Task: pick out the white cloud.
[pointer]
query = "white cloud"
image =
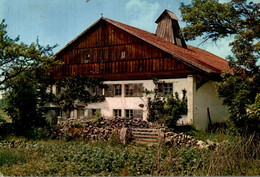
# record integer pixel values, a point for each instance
(143, 13)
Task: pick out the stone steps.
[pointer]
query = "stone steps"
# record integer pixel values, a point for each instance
(147, 136)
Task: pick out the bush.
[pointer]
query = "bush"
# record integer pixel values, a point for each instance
(174, 108)
(233, 156)
(166, 110)
(39, 133)
(10, 157)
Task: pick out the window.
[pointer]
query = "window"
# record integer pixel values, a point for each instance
(129, 90)
(134, 113)
(87, 58)
(129, 113)
(165, 89)
(122, 54)
(58, 89)
(95, 90)
(117, 112)
(134, 90)
(117, 90)
(80, 113)
(93, 112)
(96, 111)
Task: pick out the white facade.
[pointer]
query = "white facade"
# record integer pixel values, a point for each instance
(202, 102)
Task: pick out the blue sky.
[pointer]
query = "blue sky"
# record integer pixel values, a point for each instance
(60, 21)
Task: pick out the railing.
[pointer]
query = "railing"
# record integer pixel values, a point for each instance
(116, 67)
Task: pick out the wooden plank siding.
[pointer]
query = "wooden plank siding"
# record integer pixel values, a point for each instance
(104, 44)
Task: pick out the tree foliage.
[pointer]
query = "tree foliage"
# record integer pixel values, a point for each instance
(74, 89)
(238, 18)
(25, 99)
(19, 57)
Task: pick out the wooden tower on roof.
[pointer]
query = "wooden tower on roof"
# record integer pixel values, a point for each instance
(168, 28)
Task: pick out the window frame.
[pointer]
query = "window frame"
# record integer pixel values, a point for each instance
(122, 56)
(165, 88)
(129, 113)
(129, 92)
(117, 91)
(117, 112)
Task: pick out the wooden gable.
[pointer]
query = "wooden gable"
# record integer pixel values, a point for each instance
(110, 53)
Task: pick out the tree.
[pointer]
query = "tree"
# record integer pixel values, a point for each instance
(22, 57)
(213, 20)
(25, 99)
(74, 89)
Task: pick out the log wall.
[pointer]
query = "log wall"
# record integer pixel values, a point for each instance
(108, 52)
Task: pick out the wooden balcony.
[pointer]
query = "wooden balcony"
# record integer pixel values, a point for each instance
(123, 69)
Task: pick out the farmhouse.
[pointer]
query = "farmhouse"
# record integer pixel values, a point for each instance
(127, 59)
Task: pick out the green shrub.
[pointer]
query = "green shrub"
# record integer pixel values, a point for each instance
(9, 157)
(166, 110)
(114, 138)
(38, 133)
(233, 156)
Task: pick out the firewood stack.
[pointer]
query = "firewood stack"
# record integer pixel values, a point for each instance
(97, 130)
(180, 139)
(123, 122)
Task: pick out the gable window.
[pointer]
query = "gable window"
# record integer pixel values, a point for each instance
(87, 58)
(129, 90)
(122, 54)
(165, 89)
(117, 112)
(117, 90)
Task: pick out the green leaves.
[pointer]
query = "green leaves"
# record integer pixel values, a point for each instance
(208, 17)
(25, 100)
(75, 89)
(167, 110)
(214, 20)
(21, 57)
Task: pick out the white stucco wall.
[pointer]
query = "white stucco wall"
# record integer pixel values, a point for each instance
(123, 103)
(206, 97)
(198, 101)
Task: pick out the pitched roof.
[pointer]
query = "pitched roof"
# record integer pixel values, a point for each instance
(169, 13)
(192, 56)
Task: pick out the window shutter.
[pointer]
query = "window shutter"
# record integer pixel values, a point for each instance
(160, 90)
(140, 90)
(135, 90)
(100, 91)
(109, 91)
(126, 91)
(89, 112)
(138, 113)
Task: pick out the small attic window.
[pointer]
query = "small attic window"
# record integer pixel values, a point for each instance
(122, 54)
(87, 58)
